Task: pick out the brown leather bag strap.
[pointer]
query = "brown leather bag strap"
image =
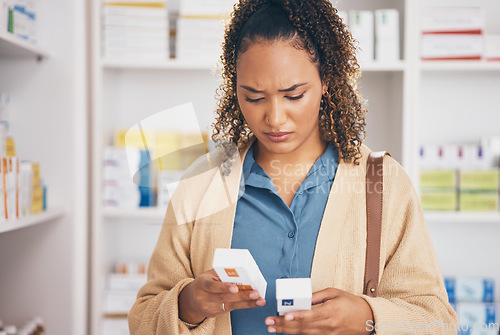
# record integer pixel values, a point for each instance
(374, 197)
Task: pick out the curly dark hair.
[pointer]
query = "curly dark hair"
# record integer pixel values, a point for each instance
(324, 36)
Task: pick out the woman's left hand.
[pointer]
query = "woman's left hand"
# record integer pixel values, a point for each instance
(340, 313)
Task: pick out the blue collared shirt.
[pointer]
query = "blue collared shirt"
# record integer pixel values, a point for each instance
(281, 239)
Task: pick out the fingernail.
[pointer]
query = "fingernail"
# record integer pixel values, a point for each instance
(260, 302)
(254, 295)
(270, 322)
(233, 289)
(272, 330)
(289, 317)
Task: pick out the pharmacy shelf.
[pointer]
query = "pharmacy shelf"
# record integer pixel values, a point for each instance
(466, 217)
(174, 64)
(32, 220)
(147, 214)
(383, 67)
(171, 64)
(13, 46)
(459, 66)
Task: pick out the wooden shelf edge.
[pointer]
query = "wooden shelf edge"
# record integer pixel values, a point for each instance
(12, 45)
(115, 315)
(467, 217)
(32, 220)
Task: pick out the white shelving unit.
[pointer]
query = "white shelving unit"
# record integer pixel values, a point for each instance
(403, 98)
(45, 217)
(456, 103)
(43, 258)
(12, 46)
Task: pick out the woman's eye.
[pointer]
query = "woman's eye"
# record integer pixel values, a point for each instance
(298, 97)
(253, 100)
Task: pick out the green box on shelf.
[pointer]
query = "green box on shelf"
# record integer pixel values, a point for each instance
(486, 180)
(432, 179)
(439, 200)
(478, 201)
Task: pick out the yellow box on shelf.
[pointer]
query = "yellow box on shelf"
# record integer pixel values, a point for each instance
(37, 203)
(478, 201)
(486, 180)
(10, 147)
(167, 151)
(439, 200)
(438, 179)
(143, 140)
(153, 4)
(37, 180)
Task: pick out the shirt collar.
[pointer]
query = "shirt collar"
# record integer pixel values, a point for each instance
(325, 165)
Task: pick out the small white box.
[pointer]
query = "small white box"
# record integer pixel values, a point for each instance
(119, 302)
(492, 47)
(361, 26)
(293, 294)
(464, 20)
(387, 35)
(126, 282)
(238, 267)
(474, 314)
(452, 47)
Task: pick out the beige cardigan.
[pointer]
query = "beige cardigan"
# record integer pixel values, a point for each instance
(411, 297)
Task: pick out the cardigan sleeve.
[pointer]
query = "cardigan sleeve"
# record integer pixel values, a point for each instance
(411, 295)
(156, 308)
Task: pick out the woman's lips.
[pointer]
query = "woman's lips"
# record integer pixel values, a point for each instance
(279, 136)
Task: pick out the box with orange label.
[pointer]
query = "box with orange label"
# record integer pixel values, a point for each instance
(238, 267)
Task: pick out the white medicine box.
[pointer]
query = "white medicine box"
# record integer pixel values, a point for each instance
(293, 294)
(237, 266)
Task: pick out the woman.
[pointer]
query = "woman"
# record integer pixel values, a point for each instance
(293, 194)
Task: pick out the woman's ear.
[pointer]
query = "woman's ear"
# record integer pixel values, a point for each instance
(324, 88)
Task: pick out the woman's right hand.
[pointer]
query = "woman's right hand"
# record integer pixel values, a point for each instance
(207, 296)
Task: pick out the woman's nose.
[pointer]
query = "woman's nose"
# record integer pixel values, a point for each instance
(276, 114)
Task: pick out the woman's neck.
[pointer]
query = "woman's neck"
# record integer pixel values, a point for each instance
(302, 156)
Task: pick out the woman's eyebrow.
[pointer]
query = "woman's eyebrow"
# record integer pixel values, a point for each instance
(251, 89)
(289, 89)
(292, 88)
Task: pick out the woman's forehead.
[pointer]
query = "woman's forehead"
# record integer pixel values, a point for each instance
(277, 62)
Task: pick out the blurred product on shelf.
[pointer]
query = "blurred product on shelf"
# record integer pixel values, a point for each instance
(361, 26)
(478, 318)
(22, 191)
(478, 190)
(470, 289)
(144, 163)
(473, 297)
(438, 190)
(387, 35)
(122, 287)
(34, 326)
(492, 47)
(135, 30)
(124, 187)
(377, 33)
(200, 29)
(166, 184)
(18, 17)
(453, 33)
(461, 177)
(115, 326)
(4, 122)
